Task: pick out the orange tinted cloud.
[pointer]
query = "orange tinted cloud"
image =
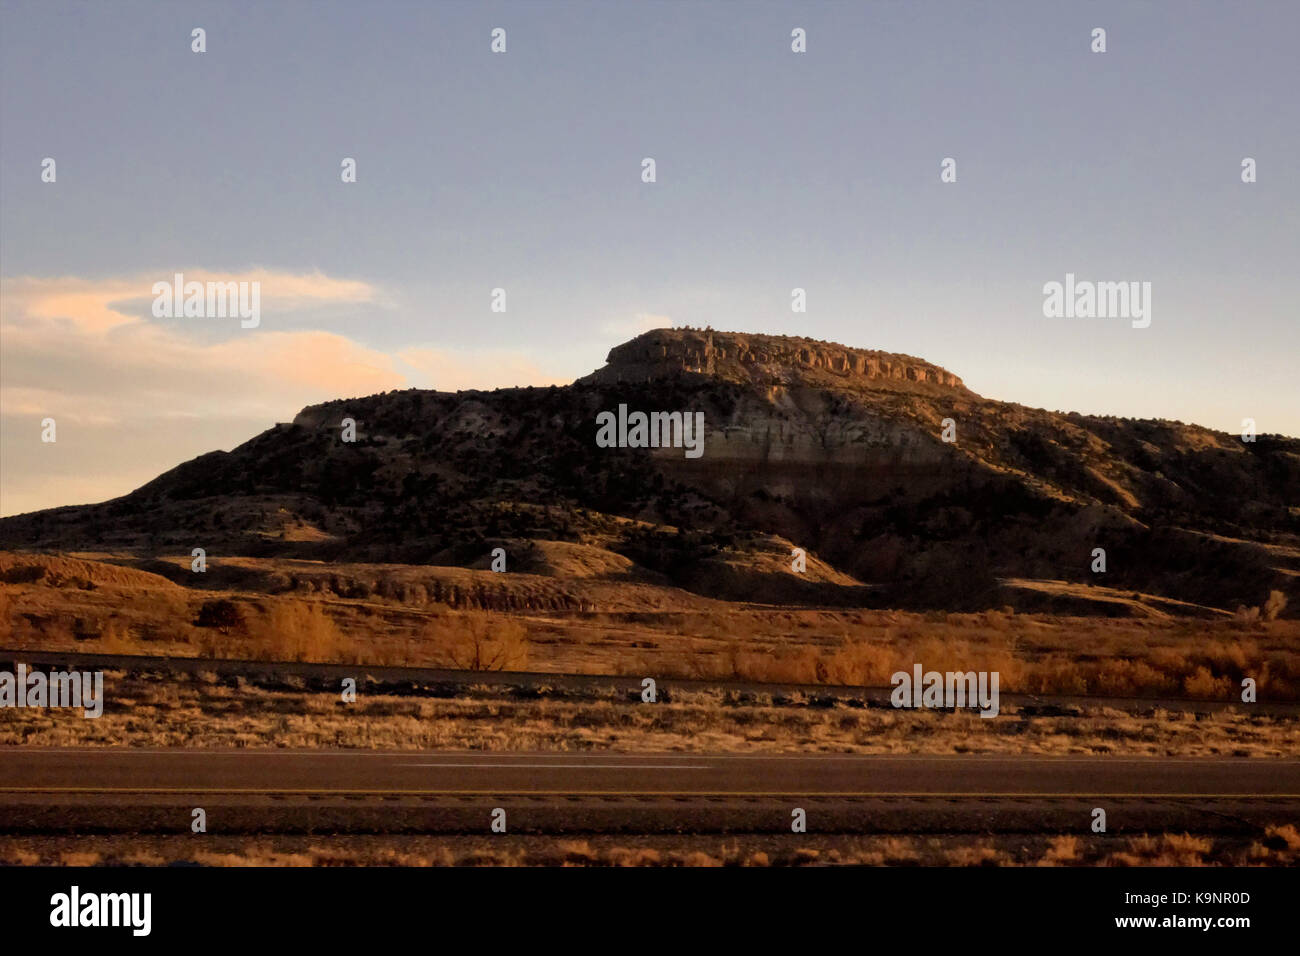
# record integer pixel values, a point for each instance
(100, 305)
(134, 396)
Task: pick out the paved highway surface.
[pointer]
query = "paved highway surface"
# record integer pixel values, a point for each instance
(323, 791)
(334, 772)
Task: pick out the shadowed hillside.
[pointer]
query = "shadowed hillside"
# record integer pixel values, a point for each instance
(835, 450)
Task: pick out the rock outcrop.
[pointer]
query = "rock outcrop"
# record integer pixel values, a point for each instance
(763, 360)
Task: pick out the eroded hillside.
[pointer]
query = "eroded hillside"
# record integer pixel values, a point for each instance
(807, 444)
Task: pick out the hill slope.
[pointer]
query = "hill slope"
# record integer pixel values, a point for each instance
(810, 444)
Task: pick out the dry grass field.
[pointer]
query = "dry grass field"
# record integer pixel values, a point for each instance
(164, 710)
(1276, 846)
(477, 620)
(264, 610)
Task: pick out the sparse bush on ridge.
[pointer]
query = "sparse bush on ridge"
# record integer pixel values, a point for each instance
(222, 613)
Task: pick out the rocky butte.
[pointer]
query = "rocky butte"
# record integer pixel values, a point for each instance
(839, 450)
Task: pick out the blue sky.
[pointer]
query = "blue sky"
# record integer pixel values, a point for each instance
(775, 170)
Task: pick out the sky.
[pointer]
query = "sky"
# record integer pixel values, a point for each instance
(522, 171)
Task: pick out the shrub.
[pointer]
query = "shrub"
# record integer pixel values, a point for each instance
(478, 641)
(222, 614)
(302, 631)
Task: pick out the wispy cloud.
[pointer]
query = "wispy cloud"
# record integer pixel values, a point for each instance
(101, 305)
(133, 395)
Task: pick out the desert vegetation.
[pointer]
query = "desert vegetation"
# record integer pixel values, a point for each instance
(1276, 845)
(386, 615)
(155, 709)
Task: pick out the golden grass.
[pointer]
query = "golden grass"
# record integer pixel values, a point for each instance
(755, 850)
(284, 630)
(1033, 653)
(202, 711)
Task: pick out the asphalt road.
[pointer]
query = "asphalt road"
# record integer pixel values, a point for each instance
(49, 791)
(124, 772)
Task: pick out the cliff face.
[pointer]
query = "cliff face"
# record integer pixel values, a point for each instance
(765, 360)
